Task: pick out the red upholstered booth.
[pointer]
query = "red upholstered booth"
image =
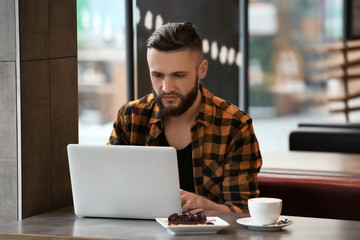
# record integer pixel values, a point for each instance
(314, 196)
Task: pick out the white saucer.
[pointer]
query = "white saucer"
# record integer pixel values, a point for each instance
(217, 225)
(273, 227)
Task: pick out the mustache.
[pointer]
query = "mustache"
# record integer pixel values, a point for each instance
(169, 94)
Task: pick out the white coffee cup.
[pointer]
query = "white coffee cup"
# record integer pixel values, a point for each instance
(265, 211)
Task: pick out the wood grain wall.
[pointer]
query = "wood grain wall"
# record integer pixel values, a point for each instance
(49, 101)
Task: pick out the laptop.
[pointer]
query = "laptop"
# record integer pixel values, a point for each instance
(138, 182)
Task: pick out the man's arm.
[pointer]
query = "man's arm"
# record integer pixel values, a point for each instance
(118, 134)
(241, 166)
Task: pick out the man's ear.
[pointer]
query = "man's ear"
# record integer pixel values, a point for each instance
(203, 69)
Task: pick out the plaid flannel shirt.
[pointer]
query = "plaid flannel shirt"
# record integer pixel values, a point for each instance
(225, 151)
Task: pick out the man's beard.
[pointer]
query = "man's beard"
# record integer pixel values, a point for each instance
(185, 102)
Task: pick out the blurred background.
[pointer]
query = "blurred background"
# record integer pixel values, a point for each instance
(287, 82)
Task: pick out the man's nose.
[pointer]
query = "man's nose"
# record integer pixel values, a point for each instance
(168, 85)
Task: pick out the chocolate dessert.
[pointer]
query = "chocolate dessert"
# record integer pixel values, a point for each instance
(186, 218)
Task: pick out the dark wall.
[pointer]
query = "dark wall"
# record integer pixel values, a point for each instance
(215, 20)
(49, 102)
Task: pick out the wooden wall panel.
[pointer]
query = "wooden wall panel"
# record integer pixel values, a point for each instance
(34, 29)
(35, 137)
(49, 112)
(64, 125)
(63, 34)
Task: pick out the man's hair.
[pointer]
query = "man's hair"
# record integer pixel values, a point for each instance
(175, 36)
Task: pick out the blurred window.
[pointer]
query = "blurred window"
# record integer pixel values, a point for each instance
(285, 87)
(101, 67)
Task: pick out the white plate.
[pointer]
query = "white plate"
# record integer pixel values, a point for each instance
(217, 225)
(249, 223)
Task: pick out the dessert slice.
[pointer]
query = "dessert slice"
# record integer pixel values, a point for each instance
(186, 219)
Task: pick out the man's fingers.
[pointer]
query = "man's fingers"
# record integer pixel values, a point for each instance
(188, 200)
(186, 205)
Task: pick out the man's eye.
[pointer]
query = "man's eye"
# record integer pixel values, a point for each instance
(179, 75)
(155, 75)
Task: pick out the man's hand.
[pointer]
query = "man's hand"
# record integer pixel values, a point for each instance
(191, 201)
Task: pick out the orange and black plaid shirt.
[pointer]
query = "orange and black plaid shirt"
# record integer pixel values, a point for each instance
(225, 151)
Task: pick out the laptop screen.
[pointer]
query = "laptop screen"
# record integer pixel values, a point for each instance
(124, 181)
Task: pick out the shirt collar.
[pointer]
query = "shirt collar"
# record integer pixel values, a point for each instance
(156, 115)
(206, 112)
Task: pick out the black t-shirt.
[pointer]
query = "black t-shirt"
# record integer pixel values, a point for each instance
(185, 165)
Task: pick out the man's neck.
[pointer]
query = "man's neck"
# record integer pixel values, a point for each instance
(178, 129)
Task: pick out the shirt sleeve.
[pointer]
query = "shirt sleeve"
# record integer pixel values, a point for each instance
(118, 134)
(241, 167)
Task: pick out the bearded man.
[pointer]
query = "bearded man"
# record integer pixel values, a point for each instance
(218, 153)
